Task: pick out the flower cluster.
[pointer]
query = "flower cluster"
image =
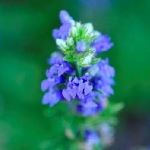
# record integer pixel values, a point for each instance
(77, 73)
(91, 137)
(104, 136)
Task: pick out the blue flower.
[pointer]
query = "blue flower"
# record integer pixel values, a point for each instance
(105, 80)
(81, 46)
(58, 69)
(91, 137)
(62, 32)
(56, 58)
(69, 78)
(106, 70)
(102, 43)
(48, 83)
(55, 76)
(89, 108)
(65, 17)
(51, 97)
(76, 88)
(102, 79)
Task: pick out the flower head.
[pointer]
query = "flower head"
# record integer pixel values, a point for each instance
(77, 73)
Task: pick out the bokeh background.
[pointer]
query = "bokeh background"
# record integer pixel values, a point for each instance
(25, 45)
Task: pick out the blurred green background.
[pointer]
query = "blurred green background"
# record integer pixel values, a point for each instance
(25, 45)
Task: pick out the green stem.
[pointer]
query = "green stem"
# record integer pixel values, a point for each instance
(79, 70)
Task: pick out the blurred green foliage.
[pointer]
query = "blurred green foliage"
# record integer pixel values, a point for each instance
(26, 44)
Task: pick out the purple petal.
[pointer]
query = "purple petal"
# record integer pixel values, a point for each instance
(44, 85)
(88, 88)
(65, 17)
(73, 91)
(81, 46)
(88, 108)
(107, 90)
(62, 69)
(51, 98)
(56, 34)
(66, 94)
(62, 32)
(91, 137)
(102, 43)
(55, 58)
